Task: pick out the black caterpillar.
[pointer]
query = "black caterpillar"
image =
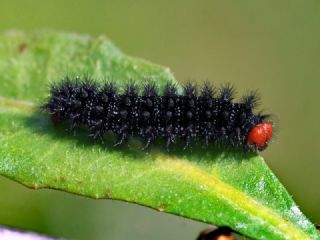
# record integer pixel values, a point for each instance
(207, 116)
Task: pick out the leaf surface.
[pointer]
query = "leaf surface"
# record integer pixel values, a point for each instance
(220, 186)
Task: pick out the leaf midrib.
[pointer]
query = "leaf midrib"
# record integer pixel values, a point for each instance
(18, 105)
(236, 197)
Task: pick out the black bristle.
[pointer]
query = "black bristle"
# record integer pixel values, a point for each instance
(150, 90)
(251, 100)
(150, 114)
(227, 93)
(190, 90)
(207, 91)
(170, 90)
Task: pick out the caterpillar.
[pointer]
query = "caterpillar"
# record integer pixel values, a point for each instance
(208, 115)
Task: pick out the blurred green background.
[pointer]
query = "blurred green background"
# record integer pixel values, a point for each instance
(273, 46)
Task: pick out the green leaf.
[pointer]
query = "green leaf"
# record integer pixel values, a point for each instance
(222, 187)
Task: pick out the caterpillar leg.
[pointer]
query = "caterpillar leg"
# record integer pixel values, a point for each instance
(148, 144)
(189, 133)
(96, 129)
(187, 143)
(206, 140)
(169, 136)
(123, 135)
(149, 136)
(169, 141)
(123, 138)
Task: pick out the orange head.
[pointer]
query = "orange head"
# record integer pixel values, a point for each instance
(260, 136)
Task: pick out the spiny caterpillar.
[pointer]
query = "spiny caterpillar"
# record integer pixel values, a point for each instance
(206, 116)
